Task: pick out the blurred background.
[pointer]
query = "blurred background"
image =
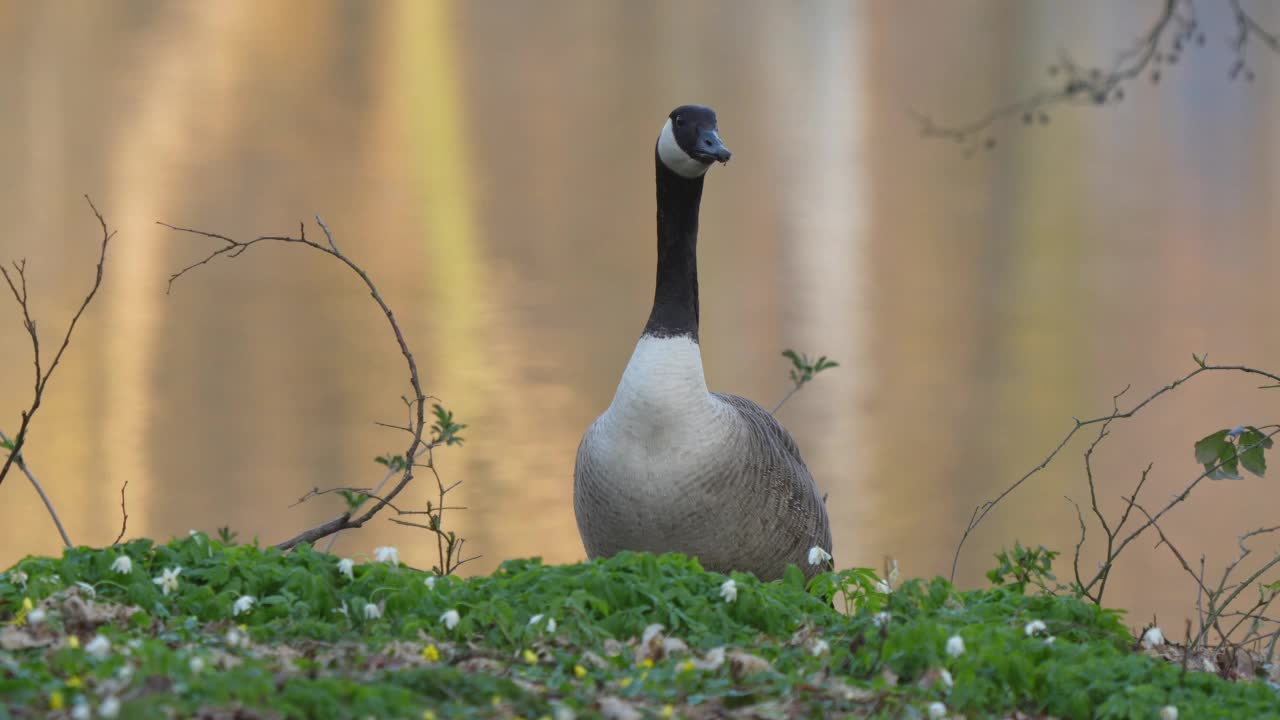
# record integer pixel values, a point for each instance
(491, 165)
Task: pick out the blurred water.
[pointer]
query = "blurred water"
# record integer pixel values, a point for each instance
(490, 164)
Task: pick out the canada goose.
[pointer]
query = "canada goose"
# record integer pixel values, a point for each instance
(671, 466)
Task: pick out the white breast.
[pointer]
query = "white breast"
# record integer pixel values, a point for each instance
(663, 424)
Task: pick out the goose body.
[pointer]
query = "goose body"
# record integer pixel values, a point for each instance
(670, 465)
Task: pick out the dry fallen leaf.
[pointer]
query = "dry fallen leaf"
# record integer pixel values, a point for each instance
(613, 708)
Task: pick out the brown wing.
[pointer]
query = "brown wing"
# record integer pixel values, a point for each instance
(791, 498)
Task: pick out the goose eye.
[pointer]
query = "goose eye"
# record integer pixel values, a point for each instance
(679, 121)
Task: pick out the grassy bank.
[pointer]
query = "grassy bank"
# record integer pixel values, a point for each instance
(200, 627)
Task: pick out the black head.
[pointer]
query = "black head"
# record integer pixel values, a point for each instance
(689, 142)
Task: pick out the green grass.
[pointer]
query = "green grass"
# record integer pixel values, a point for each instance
(787, 651)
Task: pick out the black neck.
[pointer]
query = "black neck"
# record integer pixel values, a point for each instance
(675, 299)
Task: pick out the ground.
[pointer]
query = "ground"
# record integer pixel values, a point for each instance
(241, 631)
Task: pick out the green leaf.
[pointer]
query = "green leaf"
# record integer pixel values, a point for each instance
(793, 578)
(1228, 464)
(1209, 449)
(1252, 444)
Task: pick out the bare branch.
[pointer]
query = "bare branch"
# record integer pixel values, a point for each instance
(1174, 31)
(1177, 499)
(124, 512)
(48, 504)
(981, 511)
(42, 380)
(376, 489)
(1075, 84)
(232, 248)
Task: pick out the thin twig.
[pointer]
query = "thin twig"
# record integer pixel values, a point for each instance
(124, 512)
(1174, 31)
(416, 404)
(980, 512)
(1177, 499)
(328, 546)
(42, 379)
(785, 398)
(1077, 85)
(22, 465)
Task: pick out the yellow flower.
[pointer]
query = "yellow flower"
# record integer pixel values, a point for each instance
(74, 681)
(686, 666)
(55, 700)
(530, 657)
(624, 682)
(428, 715)
(73, 641)
(579, 671)
(668, 711)
(27, 604)
(647, 662)
(432, 653)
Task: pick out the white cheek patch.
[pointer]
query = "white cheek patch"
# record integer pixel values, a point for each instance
(676, 158)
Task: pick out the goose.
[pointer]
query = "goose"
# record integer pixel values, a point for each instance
(671, 466)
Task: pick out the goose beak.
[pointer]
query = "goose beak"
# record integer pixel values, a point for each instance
(710, 149)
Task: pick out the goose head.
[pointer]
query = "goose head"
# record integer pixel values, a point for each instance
(690, 142)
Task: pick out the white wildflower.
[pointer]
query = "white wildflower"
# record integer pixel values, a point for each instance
(196, 664)
(387, 554)
(881, 619)
(123, 565)
(18, 577)
(430, 582)
(237, 638)
(729, 590)
(883, 587)
(342, 610)
(1049, 640)
(1035, 627)
(451, 618)
(937, 711)
(35, 616)
(168, 580)
(345, 566)
(87, 588)
(818, 556)
(955, 646)
(372, 612)
(110, 708)
(819, 647)
(81, 711)
(99, 647)
(946, 678)
(1169, 712)
(243, 604)
(1153, 637)
(125, 673)
(551, 622)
